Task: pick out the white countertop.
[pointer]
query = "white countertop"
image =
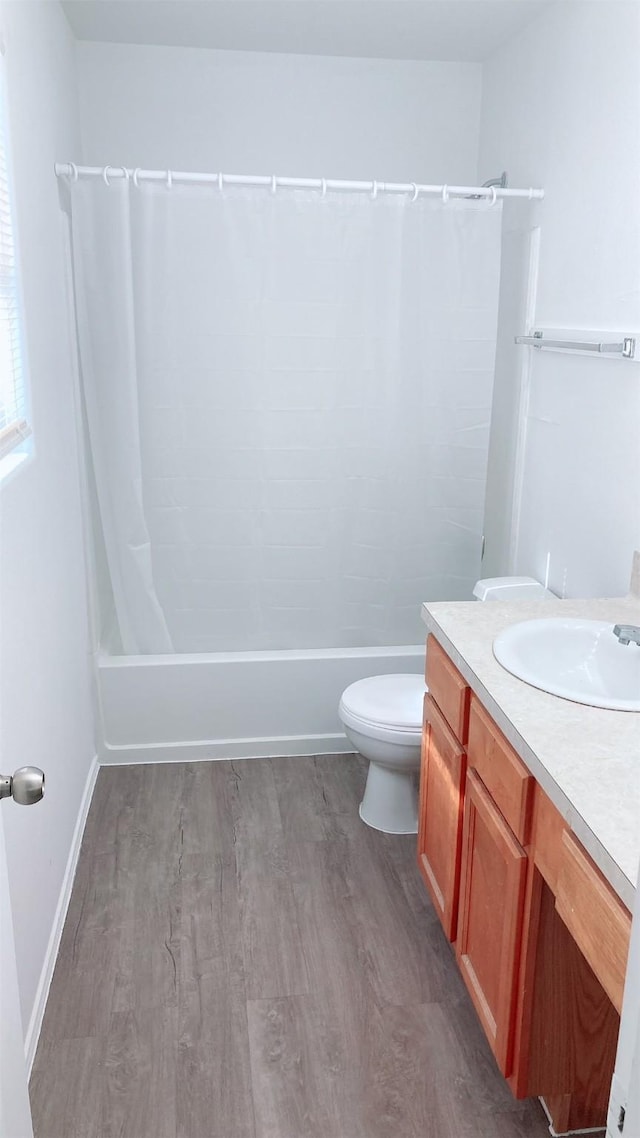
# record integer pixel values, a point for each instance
(585, 758)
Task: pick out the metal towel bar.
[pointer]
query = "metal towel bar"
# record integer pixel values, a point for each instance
(624, 348)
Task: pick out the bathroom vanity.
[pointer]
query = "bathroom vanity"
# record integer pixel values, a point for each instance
(528, 844)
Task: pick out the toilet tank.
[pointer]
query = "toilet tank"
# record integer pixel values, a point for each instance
(511, 589)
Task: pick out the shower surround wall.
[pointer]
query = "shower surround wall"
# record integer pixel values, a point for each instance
(290, 115)
(349, 118)
(301, 387)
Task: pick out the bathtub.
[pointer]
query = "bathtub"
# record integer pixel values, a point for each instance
(233, 704)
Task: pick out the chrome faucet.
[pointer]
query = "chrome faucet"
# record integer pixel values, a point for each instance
(627, 632)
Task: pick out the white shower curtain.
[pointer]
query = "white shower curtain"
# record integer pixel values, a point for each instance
(289, 400)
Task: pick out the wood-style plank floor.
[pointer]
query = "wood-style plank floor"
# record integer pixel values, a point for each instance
(244, 958)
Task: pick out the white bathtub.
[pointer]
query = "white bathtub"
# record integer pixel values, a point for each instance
(233, 704)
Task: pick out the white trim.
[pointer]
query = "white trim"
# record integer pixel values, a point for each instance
(13, 461)
(565, 1133)
(522, 421)
(106, 659)
(215, 750)
(42, 993)
(19, 405)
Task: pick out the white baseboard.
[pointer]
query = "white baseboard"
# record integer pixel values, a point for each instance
(219, 749)
(569, 1133)
(42, 993)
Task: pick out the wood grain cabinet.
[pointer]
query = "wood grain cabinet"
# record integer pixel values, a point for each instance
(540, 936)
(503, 773)
(494, 868)
(449, 690)
(440, 815)
(596, 919)
(442, 783)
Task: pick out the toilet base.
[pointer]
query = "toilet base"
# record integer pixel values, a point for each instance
(390, 800)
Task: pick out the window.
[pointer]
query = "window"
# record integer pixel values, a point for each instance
(14, 426)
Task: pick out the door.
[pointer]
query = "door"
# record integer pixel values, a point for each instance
(493, 879)
(625, 1090)
(440, 822)
(632, 1120)
(15, 1114)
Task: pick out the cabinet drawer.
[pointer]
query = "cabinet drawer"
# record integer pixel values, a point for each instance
(447, 687)
(440, 824)
(501, 770)
(595, 917)
(547, 828)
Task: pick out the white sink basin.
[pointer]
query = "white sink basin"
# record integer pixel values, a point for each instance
(580, 660)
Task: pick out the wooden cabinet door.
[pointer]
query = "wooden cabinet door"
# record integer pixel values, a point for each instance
(494, 869)
(448, 689)
(440, 819)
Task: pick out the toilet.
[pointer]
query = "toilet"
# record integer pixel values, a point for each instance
(382, 719)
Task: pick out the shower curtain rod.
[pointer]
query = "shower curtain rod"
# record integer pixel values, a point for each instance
(271, 181)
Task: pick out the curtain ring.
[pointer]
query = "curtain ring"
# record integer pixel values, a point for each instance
(416, 191)
(220, 182)
(125, 173)
(169, 179)
(374, 191)
(105, 175)
(324, 187)
(445, 194)
(493, 196)
(136, 172)
(73, 172)
(274, 184)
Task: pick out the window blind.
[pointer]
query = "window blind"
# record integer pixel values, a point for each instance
(14, 427)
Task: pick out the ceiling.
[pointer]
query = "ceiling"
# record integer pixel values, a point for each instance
(465, 30)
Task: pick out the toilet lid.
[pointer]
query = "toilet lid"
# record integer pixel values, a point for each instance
(390, 701)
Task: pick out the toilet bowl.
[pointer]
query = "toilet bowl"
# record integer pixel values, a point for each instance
(382, 718)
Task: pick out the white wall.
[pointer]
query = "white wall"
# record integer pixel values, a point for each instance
(561, 109)
(246, 112)
(45, 693)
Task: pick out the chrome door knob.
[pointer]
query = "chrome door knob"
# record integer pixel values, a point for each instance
(26, 785)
